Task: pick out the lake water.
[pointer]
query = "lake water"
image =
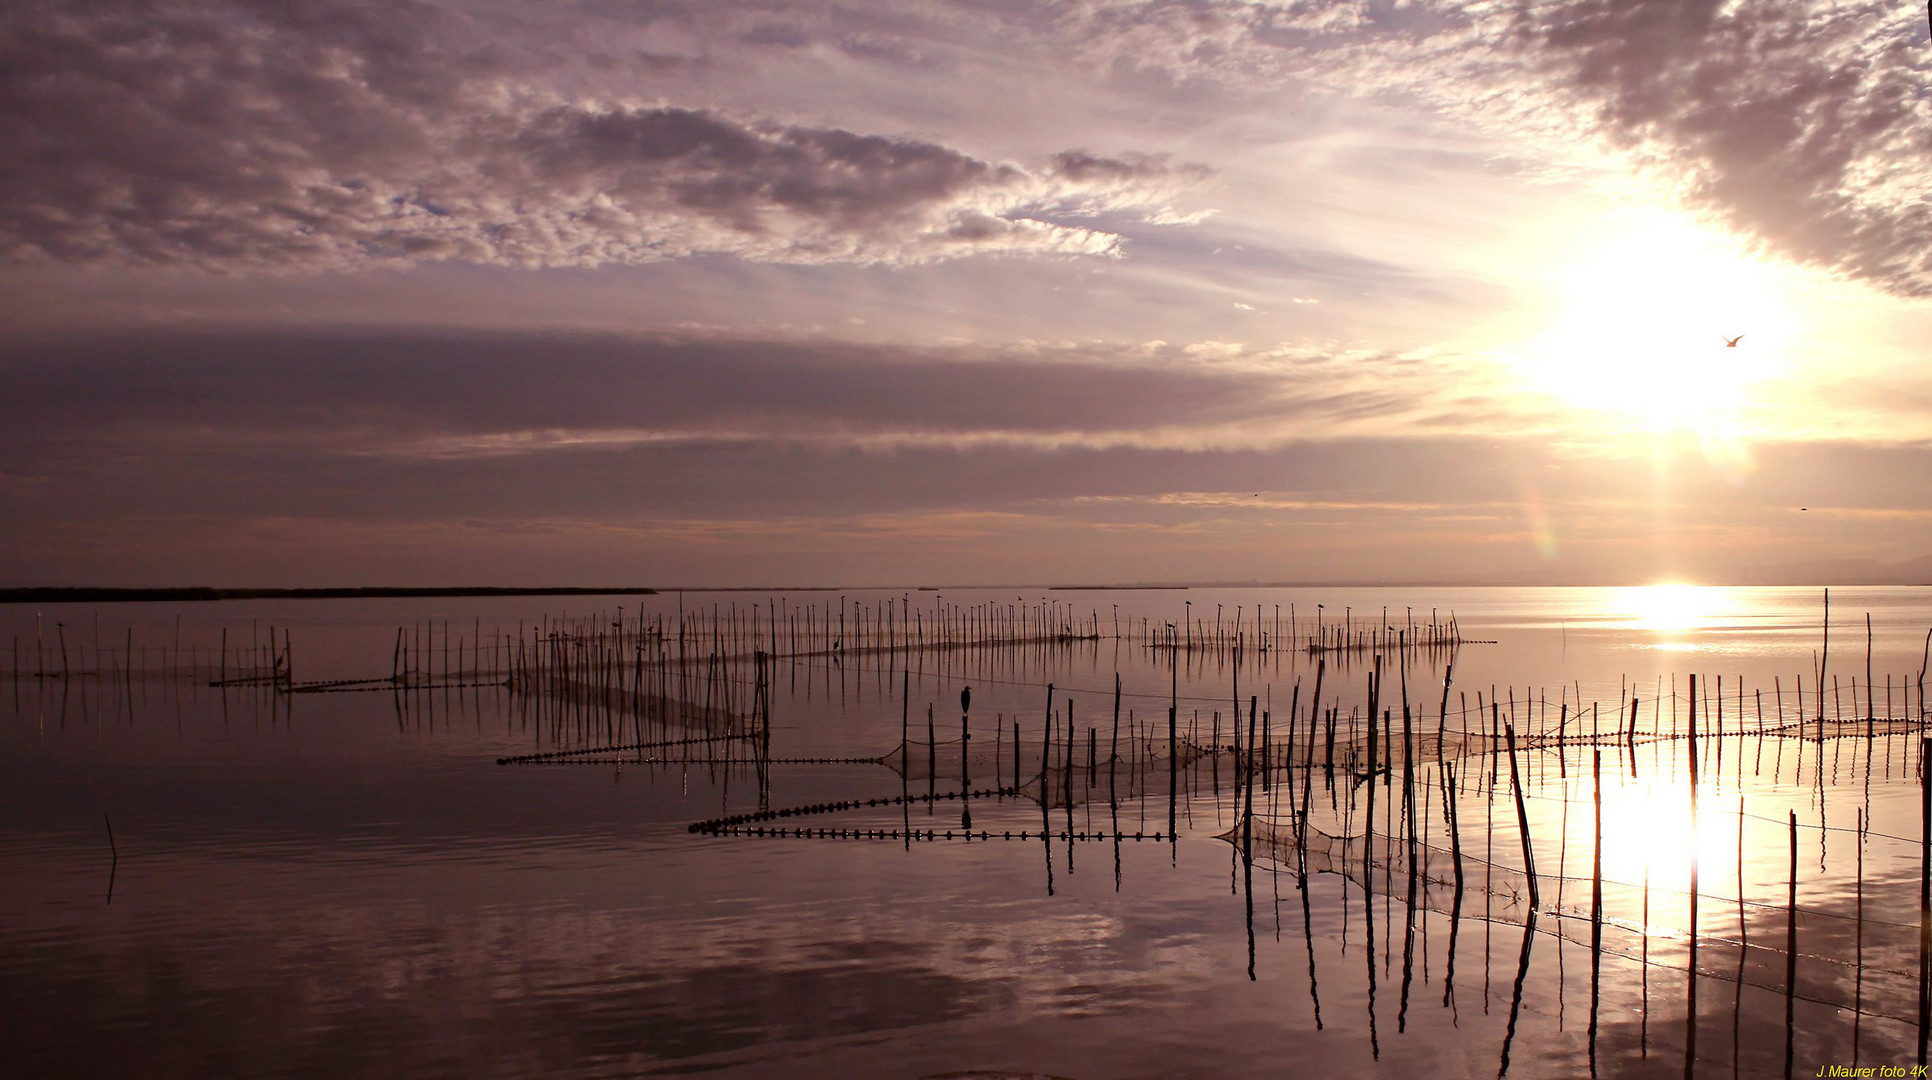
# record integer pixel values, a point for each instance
(348, 882)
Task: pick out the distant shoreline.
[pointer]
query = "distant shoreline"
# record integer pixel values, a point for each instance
(80, 595)
(64, 594)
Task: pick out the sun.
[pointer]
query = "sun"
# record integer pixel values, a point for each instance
(1642, 319)
(1671, 608)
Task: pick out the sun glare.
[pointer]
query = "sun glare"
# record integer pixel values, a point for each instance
(1672, 609)
(1646, 833)
(1643, 320)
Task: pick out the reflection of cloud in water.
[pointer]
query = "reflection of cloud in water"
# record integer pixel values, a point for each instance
(269, 983)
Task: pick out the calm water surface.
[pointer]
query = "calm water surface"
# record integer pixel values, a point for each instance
(350, 884)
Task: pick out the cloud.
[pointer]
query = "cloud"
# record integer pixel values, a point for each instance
(402, 423)
(231, 136)
(1800, 123)
(207, 434)
(1202, 39)
(450, 396)
(1797, 122)
(365, 457)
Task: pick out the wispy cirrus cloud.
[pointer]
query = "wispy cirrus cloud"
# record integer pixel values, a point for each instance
(225, 133)
(233, 136)
(1799, 123)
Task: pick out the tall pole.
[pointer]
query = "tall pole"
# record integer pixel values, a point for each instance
(1791, 953)
(1824, 661)
(1690, 1036)
(1925, 897)
(1522, 815)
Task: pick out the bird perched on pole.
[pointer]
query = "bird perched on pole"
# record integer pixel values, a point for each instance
(966, 699)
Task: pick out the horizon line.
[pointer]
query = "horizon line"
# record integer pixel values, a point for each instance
(56, 594)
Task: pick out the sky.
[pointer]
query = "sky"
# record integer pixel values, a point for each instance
(653, 292)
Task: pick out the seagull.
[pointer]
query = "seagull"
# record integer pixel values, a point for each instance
(966, 699)
(1731, 342)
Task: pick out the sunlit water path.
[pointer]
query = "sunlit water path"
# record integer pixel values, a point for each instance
(695, 859)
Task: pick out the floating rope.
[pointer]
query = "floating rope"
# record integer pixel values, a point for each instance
(932, 834)
(716, 824)
(564, 755)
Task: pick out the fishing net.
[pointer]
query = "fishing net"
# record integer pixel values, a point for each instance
(1736, 942)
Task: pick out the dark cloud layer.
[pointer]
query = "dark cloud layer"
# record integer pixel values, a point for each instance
(240, 135)
(384, 457)
(439, 428)
(388, 393)
(442, 428)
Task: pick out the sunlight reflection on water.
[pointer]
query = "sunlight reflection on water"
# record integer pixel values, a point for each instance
(291, 870)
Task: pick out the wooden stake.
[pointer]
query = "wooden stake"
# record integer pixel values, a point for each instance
(1925, 898)
(1791, 949)
(1522, 815)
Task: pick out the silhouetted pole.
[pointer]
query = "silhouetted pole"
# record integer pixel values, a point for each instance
(1173, 761)
(1690, 986)
(1046, 821)
(115, 851)
(1925, 897)
(1455, 831)
(1596, 901)
(1522, 816)
(1442, 711)
(1455, 907)
(1791, 948)
(905, 763)
(966, 765)
(1113, 743)
(1247, 830)
(1824, 661)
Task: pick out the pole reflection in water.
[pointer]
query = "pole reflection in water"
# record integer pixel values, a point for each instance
(784, 815)
(1516, 992)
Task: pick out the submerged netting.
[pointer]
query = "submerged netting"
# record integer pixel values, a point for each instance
(918, 758)
(1056, 775)
(1737, 942)
(1354, 746)
(1845, 729)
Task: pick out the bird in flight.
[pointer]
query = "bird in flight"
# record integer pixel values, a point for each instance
(1731, 342)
